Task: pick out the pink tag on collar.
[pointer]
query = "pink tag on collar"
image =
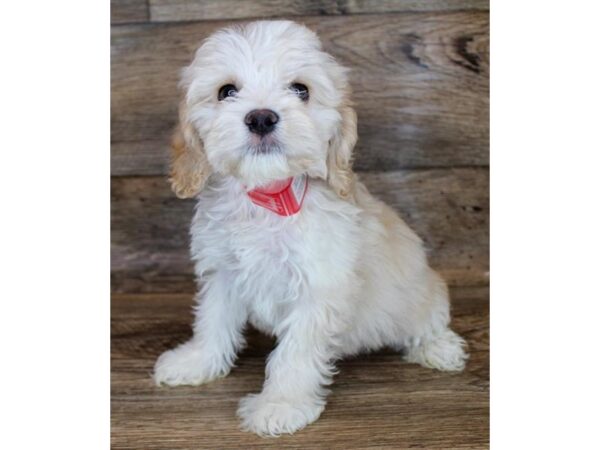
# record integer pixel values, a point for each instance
(283, 197)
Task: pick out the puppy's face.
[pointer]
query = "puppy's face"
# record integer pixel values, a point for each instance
(264, 102)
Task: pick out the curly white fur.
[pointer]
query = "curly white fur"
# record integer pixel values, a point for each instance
(343, 276)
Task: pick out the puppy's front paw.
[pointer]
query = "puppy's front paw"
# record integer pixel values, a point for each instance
(185, 365)
(268, 416)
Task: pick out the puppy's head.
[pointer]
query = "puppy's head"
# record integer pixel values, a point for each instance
(263, 102)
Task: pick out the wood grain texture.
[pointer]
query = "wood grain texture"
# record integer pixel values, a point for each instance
(448, 208)
(420, 81)
(129, 11)
(185, 10)
(377, 400)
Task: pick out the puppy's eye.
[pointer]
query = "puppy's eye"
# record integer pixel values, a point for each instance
(300, 90)
(229, 90)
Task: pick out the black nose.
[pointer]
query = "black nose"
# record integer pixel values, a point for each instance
(261, 121)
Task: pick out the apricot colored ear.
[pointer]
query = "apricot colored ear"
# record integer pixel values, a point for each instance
(189, 167)
(339, 160)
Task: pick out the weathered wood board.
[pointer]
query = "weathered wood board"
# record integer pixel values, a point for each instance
(449, 209)
(186, 10)
(129, 11)
(420, 81)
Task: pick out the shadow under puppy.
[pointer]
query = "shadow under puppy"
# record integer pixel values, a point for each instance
(285, 236)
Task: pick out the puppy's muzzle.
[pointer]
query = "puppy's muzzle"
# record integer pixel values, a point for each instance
(261, 121)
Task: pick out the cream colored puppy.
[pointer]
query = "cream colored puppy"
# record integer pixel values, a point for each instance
(320, 264)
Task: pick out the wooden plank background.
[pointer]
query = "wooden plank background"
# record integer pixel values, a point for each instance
(128, 11)
(185, 10)
(420, 85)
(448, 207)
(420, 74)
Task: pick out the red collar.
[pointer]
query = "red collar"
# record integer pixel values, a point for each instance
(283, 197)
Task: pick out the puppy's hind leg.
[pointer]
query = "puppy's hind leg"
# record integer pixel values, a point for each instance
(443, 350)
(435, 345)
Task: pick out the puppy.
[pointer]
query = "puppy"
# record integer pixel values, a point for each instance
(285, 237)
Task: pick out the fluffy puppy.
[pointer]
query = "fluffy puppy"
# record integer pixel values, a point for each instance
(263, 103)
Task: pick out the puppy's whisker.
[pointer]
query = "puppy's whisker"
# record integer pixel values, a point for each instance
(263, 148)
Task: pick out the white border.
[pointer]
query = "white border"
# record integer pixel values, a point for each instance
(54, 318)
(54, 323)
(545, 225)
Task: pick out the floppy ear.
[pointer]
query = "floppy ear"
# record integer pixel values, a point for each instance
(189, 166)
(339, 160)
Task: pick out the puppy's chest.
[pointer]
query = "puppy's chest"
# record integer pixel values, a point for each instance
(270, 259)
(265, 256)
(274, 263)
(268, 273)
